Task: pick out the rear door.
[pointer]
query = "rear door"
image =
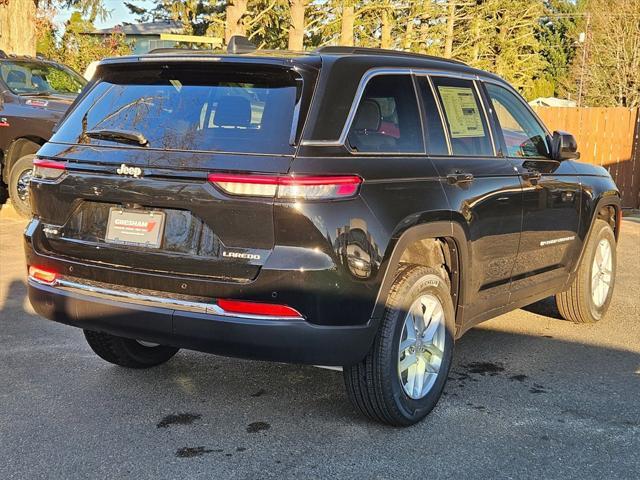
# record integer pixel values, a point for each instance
(482, 188)
(139, 149)
(551, 197)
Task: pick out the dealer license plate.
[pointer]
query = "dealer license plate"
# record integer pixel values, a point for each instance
(135, 227)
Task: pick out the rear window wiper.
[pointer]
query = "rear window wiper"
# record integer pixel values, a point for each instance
(122, 136)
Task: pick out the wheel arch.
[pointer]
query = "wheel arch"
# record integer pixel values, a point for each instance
(18, 148)
(438, 241)
(609, 208)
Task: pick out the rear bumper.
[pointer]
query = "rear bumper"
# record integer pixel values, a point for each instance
(185, 326)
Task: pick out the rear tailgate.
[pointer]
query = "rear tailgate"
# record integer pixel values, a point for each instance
(196, 119)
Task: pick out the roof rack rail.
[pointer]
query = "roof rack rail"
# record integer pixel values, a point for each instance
(174, 50)
(382, 51)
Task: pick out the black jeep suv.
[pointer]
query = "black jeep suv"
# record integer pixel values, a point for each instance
(34, 94)
(347, 207)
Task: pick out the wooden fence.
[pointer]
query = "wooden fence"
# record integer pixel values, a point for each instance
(607, 137)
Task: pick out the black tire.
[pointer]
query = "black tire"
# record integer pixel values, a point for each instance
(373, 385)
(22, 167)
(127, 352)
(577, 304)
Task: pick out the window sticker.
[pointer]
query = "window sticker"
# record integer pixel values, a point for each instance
(462, 111)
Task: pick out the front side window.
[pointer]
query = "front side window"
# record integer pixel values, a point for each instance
(35, 78)
(387, 119)
(523, 135)
(465, 118)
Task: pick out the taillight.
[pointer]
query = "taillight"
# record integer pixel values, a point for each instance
(43, 276)
(288, 187)
(47, 169)
(257, 308)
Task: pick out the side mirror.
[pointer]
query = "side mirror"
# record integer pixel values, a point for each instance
(564, 146)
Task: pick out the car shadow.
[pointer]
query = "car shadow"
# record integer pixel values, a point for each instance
(546, 307)
(492, 370)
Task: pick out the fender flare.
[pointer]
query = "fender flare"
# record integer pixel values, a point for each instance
(610, 200)
(437, 229)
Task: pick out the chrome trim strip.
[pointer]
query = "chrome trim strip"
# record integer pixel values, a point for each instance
(152, 301)
(321, 143)
(368, 75)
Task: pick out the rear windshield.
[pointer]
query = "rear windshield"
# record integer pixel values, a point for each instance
(209, 108)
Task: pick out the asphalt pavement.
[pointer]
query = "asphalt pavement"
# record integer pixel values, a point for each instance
(529, 396)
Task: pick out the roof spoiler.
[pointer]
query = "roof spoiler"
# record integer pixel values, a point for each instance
(240, 44)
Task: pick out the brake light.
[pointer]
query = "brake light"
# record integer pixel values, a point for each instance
(288, 187)
(43, 276)
(257, 308)
(47, 169)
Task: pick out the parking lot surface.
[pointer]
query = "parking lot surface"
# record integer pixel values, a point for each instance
(529, 396)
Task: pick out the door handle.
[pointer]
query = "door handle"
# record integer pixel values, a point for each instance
(532, 176)
(459, 177)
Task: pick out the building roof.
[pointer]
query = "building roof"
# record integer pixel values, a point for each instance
(552, 102)
(149, 28)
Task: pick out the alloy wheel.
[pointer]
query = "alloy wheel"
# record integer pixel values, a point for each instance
(421, 346)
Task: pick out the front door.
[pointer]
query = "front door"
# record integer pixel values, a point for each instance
(482, 188)
(551, 198)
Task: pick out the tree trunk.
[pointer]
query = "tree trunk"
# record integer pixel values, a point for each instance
(385, 35)
(235, 22)
(451, 20)
(348, 16)
(17, 27)
(296, 30)
(475, 50)
(407, 42)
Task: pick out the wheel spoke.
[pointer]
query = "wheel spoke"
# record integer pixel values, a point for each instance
(429, 308)
(408, 361)
(601, 292)
(418, 318)
(431, 331)
(411, 378)
(606, 256)
(598, 257)
(407, 343)
(410, 325)
(434, 350)
(419, 382)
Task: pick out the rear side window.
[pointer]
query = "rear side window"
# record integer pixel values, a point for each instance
(387, 119)
(465, 118)
(208, 109)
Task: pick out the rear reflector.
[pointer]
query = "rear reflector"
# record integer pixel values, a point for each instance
(288, 187)
(256, 308)
(43, 276)
(47, 169)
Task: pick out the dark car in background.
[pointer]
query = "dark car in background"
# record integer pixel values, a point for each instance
(346, 207)
(34, 95)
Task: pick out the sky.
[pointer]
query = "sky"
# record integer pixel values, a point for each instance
(119, 13)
